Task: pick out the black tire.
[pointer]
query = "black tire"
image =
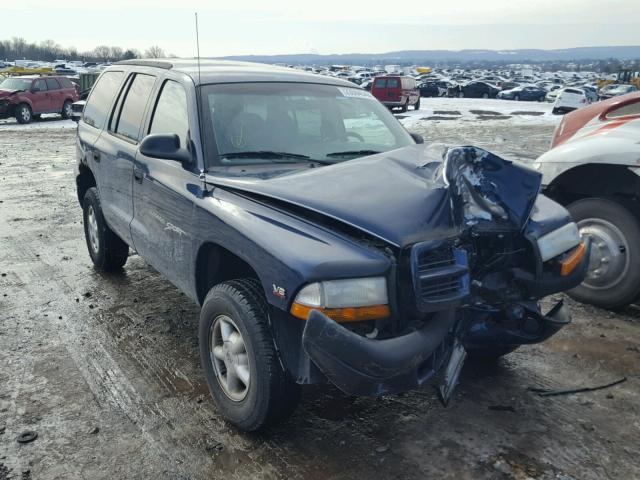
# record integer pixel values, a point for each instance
(37, 116)
(485, 95)
(624, 288)
(460, 94)
(417, 105)
(66, 109)
(555, 111)
(271, 395)
(404, 107)
(489, 354)
(108, 252)
(23, 113)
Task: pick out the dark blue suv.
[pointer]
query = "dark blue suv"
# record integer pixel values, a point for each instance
(322, 241)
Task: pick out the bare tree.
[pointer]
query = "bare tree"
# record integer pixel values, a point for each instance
(130, 53)
(102, 52)
(116, 53)
(154, 52)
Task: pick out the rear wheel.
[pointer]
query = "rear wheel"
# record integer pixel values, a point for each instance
(23, 113)
(417, 105)
(107, 251)
(405, 107)
(613, 279)
(241, 365)
(66, 109)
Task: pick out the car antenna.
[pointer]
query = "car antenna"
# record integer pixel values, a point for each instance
(199, 98)
(198, 47)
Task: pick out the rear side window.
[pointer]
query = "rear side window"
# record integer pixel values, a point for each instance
(52, 84)
(170, 115)
(65, 82)
(102, 94)
(132, 109)
(380, 83)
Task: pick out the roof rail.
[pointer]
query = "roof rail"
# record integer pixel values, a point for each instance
(146, 63)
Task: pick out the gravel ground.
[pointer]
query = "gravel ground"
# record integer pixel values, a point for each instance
(105, 368)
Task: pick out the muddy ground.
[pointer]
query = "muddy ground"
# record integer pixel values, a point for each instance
(105, 368)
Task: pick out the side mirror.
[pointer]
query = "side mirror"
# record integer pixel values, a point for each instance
(164, 146)
(417, 138)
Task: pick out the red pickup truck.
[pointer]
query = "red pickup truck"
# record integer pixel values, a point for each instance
(26, 98)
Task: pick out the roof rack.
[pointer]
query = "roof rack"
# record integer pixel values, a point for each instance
(146, 63)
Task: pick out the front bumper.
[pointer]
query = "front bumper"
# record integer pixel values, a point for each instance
(5, 110)
(361, 366)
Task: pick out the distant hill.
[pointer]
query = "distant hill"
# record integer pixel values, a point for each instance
(433, 56)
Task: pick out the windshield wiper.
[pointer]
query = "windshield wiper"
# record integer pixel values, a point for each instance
(352, 152)
(270, 155)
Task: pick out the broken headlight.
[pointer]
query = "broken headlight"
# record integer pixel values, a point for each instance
(347, 300)
(558, 241)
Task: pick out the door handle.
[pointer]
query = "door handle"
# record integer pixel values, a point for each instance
(137, 175)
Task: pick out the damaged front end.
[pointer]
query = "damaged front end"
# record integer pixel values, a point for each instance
(472, 288)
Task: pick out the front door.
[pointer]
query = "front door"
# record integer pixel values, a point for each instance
(40, 100)
(163, 211)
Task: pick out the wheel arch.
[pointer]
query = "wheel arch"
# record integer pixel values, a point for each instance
(215, 264)
(595, 180)
(84, 181)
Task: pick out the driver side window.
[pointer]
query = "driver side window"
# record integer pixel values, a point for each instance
(40, 85)
(171, 115)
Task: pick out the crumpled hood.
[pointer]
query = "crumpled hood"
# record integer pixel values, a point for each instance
(7, 93)
(407, 195)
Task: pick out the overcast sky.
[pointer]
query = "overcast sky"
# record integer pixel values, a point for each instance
(238, 27)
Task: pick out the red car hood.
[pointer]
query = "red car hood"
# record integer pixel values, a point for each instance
(574, 121)
(6, 93)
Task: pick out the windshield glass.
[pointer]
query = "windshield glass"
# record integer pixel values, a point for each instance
(15, 84)
(253, 123)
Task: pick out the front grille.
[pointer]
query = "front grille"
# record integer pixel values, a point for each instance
(440, 275)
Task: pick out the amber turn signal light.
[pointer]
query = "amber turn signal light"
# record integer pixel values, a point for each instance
(343, 315)
(569, 264)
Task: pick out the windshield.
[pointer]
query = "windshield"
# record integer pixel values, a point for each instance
(15, 84)
(252, 123)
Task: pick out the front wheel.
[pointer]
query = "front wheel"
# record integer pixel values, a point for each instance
(23, 113)
(240, 362)
(107, 251)
(613, 278)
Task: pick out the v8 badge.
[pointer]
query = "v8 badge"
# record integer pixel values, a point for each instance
(279, 291)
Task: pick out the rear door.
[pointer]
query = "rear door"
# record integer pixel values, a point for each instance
(164, 191)
(393, 92)
(117, 148)
(55, 94)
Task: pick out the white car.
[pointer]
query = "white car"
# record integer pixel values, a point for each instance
(593, 169)
(570, 99)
